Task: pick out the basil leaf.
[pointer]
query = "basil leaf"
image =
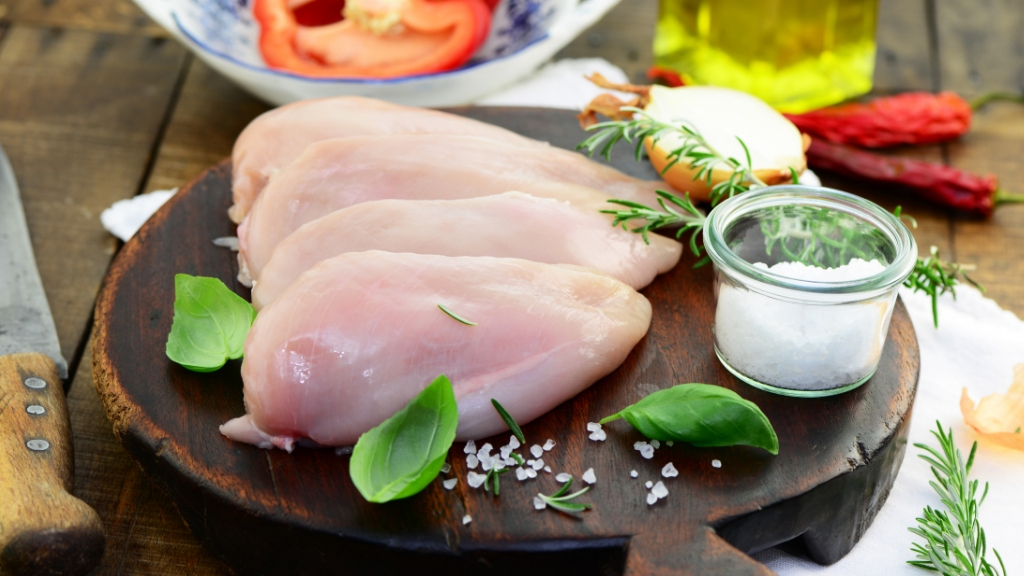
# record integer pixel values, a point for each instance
(403, 454)
(210, 323)
(702, 415)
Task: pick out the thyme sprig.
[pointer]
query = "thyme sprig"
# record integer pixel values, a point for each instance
(563, 502)
(931, 276)
(694, 149)
(954, 541)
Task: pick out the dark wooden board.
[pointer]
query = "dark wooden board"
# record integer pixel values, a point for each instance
(271, 512)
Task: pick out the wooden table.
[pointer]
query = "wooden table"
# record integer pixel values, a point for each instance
(98, 104)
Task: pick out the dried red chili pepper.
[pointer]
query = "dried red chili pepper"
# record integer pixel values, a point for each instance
(912, 118)
(669, 77)
(966, 192)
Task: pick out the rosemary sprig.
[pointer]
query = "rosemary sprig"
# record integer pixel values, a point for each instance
(954, 541)
(694, 148)
(931, 276)
(455, 316)
(509, 421)
(562, 502)
(492, 474)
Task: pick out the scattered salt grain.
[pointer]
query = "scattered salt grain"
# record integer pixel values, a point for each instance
(498, 465)
(593, 426)
(521, 474)
(450, 483)
(475, 480)
(506, 451)
(472, 461)
(547, 469)
(513, 442)
(549, 445)
(446, 468)
(530, 462)
(470, 447)
(563, 477)
(669, 471)
(656, 444)
(716, 463)
(589, 477)
(648, 484)
(538, 503)
(669, 443)
(343, 450)
(536, 450)
(647, 452)
(466, 519)
(538, 464)
(598, 435)
(639, 445)
(651, 499)
(510, 462)
(486, 463)
(659, 490)
(633, 473)
(531, 473)
(485, 449)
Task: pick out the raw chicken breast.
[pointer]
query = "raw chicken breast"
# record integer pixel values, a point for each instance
(271, 141)
(342, 172)
(359, 335)
(509, 225)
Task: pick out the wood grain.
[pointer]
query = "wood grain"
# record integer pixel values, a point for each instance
(43, 528)
(623, 37)
(121, 16)
(300, 512)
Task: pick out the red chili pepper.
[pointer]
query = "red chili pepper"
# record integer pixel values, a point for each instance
(429, 36)
(671, 78)
(941, 184)
(910, 118)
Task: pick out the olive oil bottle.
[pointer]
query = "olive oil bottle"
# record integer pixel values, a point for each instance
(797, 55)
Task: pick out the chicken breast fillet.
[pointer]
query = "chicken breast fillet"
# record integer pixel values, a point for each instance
(275, 138)
(338, 173)
(359, 335)
(509, 225)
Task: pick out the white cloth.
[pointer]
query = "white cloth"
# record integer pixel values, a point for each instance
(976, 346)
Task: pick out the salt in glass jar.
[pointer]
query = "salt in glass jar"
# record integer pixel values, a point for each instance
(806, 280)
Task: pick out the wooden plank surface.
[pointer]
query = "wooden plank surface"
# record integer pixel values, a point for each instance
(87, 86)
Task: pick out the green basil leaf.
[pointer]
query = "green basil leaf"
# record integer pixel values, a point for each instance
(702, 415)
(404, 453)
(210, 323)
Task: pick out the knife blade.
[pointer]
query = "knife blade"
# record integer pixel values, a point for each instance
(43, 528)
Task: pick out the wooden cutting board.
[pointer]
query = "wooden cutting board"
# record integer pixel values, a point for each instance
(269, 512)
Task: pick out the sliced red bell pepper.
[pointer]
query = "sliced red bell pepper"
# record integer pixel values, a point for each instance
(435, 35)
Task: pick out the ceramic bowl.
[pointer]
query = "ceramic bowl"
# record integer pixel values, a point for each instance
(524, 35)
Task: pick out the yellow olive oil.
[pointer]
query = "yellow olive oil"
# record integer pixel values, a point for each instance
(797, 55)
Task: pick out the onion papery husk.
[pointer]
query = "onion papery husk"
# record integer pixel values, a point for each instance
(999, 417)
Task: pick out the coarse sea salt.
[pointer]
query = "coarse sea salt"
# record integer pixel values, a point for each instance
(485, 450)
(446, 468)
(656, 444)
(547, 469)
(648, 484)
(466, 519)
(593, 426)
(470, 447)
(521, 474)
(651, 499)
(716, 463)
(531, 473)
(450, 483)
(536, 450)
(669, 471)
(549, 445)
(669, 443)
(598, 435)
(472, 461)
(647, 452)
(538, 503)
(475, 480)
(659, 490)
(589, 477)
(633, 473)
(537, 464)
(513, 442)
(563, 477)
(797, 345)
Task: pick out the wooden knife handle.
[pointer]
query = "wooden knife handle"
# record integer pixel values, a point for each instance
(43, 528)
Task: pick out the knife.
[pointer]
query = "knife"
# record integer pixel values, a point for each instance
(43, 528)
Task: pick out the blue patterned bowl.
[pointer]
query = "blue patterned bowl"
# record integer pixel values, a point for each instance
(524, 35)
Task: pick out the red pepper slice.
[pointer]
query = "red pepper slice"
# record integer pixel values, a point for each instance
(435, 35)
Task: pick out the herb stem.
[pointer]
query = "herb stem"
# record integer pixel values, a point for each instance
(509, 421)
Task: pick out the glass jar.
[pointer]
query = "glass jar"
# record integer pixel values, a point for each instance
(805, 283)
(796, 55)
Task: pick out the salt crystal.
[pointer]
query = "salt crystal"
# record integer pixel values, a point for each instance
(470, 447)
(531, 473)
(485, 450)
(530, 462)
(659, 490)
(669, 443)
(716, 463)
(656, 444)
(466, 519)
(510, 462)
(538, 503)
(340, 451)
(505, 452)
(800, 346)
(446, 468)
(639, 445)
(486, 463)
(475, 480)
(598, 435)
(538, 464)
(633, 473)
(547, 469)
(651, 499)
(647, 452)
(536, 450)
(513, 442)
(498, 465)
(563, 477)
(472, 461)
(450, 483)
(593, 426)
(549, 445)
(648, 484)
(589, 477)
(669, 471)
(521, 474)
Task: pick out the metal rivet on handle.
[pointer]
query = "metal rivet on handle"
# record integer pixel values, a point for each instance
(35, 383)
(37, 444)
(35, 409)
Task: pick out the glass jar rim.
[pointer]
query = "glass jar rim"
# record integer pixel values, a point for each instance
(729, 211)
